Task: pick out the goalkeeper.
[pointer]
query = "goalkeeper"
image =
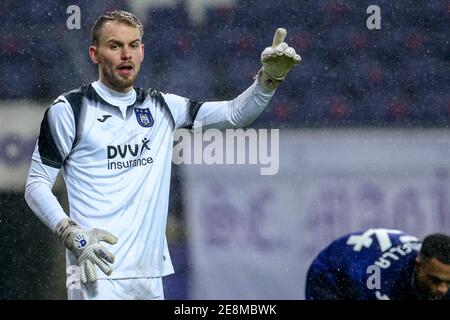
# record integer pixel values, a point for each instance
(113, 144)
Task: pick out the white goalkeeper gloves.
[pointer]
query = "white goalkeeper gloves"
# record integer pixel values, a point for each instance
(85, 246)
(277, 61)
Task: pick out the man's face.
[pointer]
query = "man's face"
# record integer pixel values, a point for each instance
(432, 278)
(119, 54)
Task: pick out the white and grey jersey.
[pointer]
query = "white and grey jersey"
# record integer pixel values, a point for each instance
(116, 163)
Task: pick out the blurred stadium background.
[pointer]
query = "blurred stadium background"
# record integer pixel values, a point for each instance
(364, 133)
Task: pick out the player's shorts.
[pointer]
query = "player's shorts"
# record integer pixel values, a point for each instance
(117, 289)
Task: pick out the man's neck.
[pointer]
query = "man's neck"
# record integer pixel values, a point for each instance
(112, 88)
(119, 99)
(113, 91)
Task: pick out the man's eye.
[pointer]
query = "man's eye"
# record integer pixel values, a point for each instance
(114, 46)
(436, 281)
(134, 45)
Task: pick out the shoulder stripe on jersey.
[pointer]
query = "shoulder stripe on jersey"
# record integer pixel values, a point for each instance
(75, 99)
(48, 151)
(141, 94)
(46, 143)
(159, 97)
(193, 108)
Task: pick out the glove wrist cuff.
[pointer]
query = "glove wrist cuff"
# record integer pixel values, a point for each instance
(66, 231)
(266, 81)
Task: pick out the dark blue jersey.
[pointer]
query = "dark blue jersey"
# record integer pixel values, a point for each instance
(373, 264)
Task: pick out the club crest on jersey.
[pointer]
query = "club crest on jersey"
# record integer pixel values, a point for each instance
(144, 117)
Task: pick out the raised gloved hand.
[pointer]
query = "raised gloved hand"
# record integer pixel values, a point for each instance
(85, 246)
(277, 61)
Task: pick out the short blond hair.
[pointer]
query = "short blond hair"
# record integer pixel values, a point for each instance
(116, 15)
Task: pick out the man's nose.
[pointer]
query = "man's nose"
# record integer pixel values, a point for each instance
(126, 54)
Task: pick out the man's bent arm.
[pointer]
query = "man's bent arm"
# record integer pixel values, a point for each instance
(276, 60)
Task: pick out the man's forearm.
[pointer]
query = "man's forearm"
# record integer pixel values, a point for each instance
(236, 113)
(39, 195)
(250, 104)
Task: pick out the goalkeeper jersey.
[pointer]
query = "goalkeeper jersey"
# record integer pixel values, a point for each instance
(115, 152)
(346, 268)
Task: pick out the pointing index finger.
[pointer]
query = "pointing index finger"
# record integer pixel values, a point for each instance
(279, 37)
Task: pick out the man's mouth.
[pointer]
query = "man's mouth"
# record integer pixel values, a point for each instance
(125, 68)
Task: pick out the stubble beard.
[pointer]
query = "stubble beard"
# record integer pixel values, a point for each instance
(119, 82)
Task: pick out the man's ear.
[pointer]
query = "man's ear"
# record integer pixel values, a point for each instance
(93, 54)
(143, 51)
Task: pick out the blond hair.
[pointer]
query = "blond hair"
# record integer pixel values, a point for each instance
(116, 15)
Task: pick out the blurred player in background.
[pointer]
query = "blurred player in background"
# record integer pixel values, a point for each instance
(113, 143)
(381, 264)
